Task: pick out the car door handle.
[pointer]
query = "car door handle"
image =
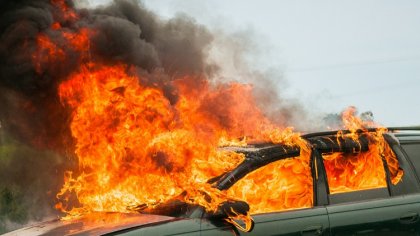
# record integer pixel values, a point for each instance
(409, 218)
(312, 230)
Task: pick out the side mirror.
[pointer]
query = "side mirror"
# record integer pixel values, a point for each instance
(231, 207)
(235, 213)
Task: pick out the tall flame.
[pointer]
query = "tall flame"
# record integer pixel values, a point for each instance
(135, 146)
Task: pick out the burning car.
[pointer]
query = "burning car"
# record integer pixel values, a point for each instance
(162, 145)
(359, 182)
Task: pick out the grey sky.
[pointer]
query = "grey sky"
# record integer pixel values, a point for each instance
(333, 53)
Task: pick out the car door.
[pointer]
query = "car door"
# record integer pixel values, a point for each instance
(178, 226)
(387, 216)
(309, 221)
(389, 210)
(312, 221)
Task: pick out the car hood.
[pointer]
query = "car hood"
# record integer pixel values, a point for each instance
(92, 224)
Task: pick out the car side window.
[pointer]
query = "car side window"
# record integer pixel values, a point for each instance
(413, 153)
(355, 176)
(279, 186)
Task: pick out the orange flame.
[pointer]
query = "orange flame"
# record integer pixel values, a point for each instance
(365, 170)
(63, 11)
(282, 185)
(134, 147)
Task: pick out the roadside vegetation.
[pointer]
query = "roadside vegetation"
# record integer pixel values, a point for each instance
(29, 179)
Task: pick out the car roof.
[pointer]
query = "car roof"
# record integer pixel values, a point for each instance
(260, 154)
(395, 130)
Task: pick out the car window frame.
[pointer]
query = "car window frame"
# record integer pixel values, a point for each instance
(320, 178)
(350, 197)
(315, 183)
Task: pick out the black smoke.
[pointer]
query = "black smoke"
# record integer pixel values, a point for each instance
(125, 31)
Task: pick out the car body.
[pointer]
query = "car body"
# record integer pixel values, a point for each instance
(392, 209)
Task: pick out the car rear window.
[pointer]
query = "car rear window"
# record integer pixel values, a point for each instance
(413, 152)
